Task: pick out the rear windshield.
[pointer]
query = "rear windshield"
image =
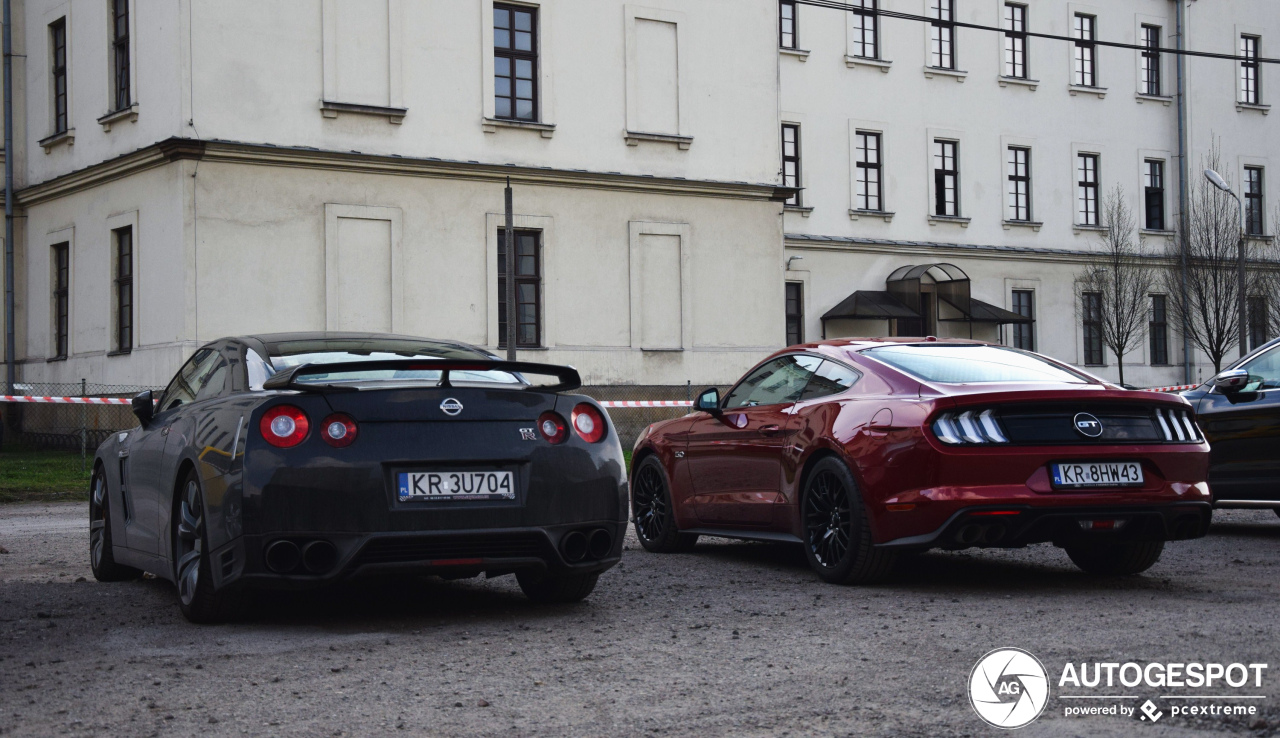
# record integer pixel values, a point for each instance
(289, 354)
(972, 364)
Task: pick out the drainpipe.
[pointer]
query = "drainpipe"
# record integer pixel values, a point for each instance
(10, 344)
(1184, 198)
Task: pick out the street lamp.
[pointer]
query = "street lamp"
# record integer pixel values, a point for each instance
(1217, 181)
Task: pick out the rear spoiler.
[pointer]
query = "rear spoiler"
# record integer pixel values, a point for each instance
(568, 377)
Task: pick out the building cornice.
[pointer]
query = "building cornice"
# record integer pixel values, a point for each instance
(231, 152)
(937, 248)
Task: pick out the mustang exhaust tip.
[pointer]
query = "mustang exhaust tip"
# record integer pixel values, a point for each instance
(574, 546)
(319, 556)
(600, 543)
(283, 557)
(969, 535)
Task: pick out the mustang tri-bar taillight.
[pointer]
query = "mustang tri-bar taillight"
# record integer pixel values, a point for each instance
(1177, 425)
(284, 426)
(971, 427)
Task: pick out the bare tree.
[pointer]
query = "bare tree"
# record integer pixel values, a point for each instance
(1210, 312)
(1122, 275)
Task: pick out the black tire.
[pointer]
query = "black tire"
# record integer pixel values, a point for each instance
(1116, 559)
(1276, 510)
(101, 558)
(550, 589)
(837, 534)
(192, 571)
(652, 513)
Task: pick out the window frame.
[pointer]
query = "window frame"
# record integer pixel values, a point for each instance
(795, 316)
(942, 34)
(121, 89)
(793, 179)
(1258, 329)
(1250, 89)
(1153, 192)
(60, 276)
(1095, 353)
(58, 72)
(940, 175)
(783, 20)
(1158, 330)
(1016, 41)
(724, 401)
(1085, 30)
(1150, 73)
(534, 279)
(1019, 185)
(123, 288)
(513, 57)
(863, 169)
(1088, 191)
(1024, 334)
(1255, 217)
(866, 21)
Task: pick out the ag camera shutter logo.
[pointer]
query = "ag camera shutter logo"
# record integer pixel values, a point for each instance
(1009, 688)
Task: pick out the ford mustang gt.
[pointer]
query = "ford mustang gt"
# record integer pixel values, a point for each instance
(297, 460)
(862, 449)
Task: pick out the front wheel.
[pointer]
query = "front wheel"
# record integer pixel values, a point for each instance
(1116, 559)
(653, 514)
(837, 534)
(196, 596)
(556, 588)
(101, 557)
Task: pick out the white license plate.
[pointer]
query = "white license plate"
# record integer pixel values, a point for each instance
(1097, 474)
(457, 485)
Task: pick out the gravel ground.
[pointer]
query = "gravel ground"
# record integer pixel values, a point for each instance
(735, 638)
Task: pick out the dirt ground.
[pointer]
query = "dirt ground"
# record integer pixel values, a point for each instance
(733, 639)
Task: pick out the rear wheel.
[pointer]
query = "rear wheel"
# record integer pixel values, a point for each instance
(101, 558)
(557, 588)
(196, 596)
(1116, 559)
(653, 514)
(837, 535)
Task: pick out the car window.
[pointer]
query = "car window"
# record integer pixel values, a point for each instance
(214, 381)
(258, 368)
(289, 354)
(830, 379)
(1264, 371)
(189, 380)
(778, 381)
(972, 364)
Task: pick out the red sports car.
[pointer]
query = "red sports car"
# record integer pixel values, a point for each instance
(862, 449)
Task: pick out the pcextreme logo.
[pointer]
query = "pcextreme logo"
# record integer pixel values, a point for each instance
(1009, 688)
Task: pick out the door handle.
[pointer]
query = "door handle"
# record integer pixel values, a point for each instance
(770, 430)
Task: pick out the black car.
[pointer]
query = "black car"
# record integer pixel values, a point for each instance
(297, 460)
(1239, 412)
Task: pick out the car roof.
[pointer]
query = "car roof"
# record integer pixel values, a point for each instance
(846, 347)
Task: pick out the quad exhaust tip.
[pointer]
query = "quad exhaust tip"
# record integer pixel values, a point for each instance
(283, 557)
(319, 556)
(600, 544)
(574, 546)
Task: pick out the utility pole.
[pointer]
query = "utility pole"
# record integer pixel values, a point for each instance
(509, 239)
(1184, 196)
(10, 344)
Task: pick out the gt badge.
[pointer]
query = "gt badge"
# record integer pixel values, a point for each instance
(528, 434)
(1088, 425)
(451, 406)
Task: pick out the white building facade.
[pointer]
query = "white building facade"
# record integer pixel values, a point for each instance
(189, 170)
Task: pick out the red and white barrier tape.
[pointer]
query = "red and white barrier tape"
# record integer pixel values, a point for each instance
(67, 400)
(1179, 388)
(647, 403)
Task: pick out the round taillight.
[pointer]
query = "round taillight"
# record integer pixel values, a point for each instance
(338, 430)
(552, 427)
(284, 426)
(589, 423)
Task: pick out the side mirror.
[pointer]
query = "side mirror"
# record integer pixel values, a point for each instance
(144, 407)
(708, 401)
(1230, 381)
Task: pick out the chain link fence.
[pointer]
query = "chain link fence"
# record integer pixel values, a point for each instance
(631, 422)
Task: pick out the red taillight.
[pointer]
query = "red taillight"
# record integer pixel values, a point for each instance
(552, 427)
(284, 426)
(338, 430)
(588, 422)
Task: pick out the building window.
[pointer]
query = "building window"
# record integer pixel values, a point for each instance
(869, 192)
(515, 62)
(58, 45)
(1249, 90)
(1019, 183)
(866, 29)
(791, 160)
(528, 289)
(1086, 60)
(946, 179)
(1015, 41)
(1092, 304)
(1024, 334)
(1087, 189)
(1153, 184)
(1259, 322)
(1151, 60)
(943, 34)
(124, 288)
(1159, 330)
(1253, 203)
(61, 297)
(795, 313)
(120, 53)
(787, 37)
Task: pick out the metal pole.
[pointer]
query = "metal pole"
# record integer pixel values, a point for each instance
(84, 425)
(10, 344)
(1184, 198)
(509, 238)
(1240, 283)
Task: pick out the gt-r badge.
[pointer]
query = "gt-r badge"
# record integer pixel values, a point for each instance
(1087, 425)
(528, 434)
(451, 406)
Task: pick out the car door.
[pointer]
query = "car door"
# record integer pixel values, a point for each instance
(1243, 429)
(147, 457)
(734, 457)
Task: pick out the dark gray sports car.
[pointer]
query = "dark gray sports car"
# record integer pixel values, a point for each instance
(296, 460)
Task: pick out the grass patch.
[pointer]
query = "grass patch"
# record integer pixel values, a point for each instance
(42, 476)
(626, 456)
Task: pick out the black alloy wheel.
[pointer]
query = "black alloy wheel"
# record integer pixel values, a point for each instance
(651, 511)
(837, 534)
(101, 558)
(192, 570)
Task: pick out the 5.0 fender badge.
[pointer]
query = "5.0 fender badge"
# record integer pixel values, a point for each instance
(451, 406)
